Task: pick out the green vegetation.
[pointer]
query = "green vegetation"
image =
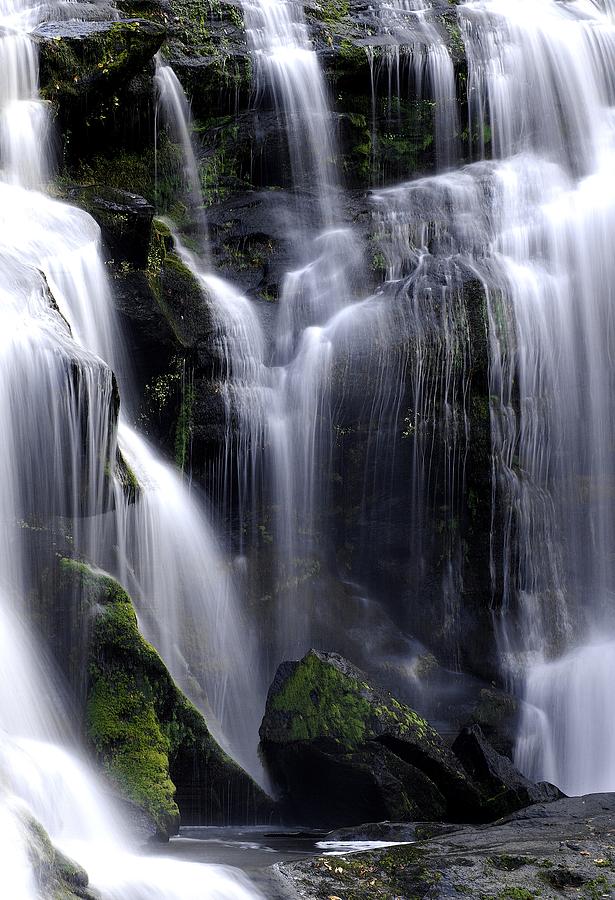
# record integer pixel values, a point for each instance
(138, 721)
(94, 62)
(323, 701)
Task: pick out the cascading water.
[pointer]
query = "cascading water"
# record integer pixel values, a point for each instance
(531, 226)
(57, 400)
(414, 55)
(550, 359)
(283, 418)
(534, 226)
(298, 420)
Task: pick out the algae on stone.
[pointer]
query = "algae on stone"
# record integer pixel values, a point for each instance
(145, 732)
(342, 751)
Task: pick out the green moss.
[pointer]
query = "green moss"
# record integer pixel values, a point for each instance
(125, 675)
(124, 729)
(213, 30)
(183, 428)
(56, 876)
(598, 888)
(158, 177)
(138, 721)
(92, 63)
(325, 702)
(331, 11)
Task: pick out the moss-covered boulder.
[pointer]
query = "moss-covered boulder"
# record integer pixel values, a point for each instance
(342, 751)
(56, 876)
(148, 737)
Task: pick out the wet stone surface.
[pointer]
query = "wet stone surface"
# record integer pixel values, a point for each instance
(563, 849)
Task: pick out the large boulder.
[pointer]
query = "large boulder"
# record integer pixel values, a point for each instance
(147, 736)
(341, 751)
(505, 789)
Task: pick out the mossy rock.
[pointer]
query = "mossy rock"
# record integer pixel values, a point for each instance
(180, 295)
(56, 876)
(342, 750)
(92, 59)
(207, 48)
(145, 733)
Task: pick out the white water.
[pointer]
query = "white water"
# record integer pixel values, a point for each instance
(176, 112)
(414, 58)
(546, 86)
(55, 402)
(568, 728)
(534, 225)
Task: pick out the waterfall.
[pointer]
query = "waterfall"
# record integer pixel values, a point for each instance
(57, 397)
(328, 255)
(516, 239)
(176, 110)
(414, 56)
(279, 394)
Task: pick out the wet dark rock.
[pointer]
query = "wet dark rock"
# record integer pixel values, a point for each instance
(497, 714)
(546, 851)
(375, 831)
(208, 50)
(97, 75)
(505, 789)
(125, 221)
(341, 751)
(92, 59)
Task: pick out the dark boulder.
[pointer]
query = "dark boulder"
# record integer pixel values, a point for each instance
(341, 751)
(125, 221)
(504, 788)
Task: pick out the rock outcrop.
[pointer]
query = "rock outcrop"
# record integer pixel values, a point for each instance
(56, 876)
(147, 736)
(504, 788)
(342, 752)
(547, 852)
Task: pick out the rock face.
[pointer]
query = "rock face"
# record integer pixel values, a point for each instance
(342, 752)
(57, 877)
(147, 735)
(80, 60)
(505, 789)
(554, 851)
